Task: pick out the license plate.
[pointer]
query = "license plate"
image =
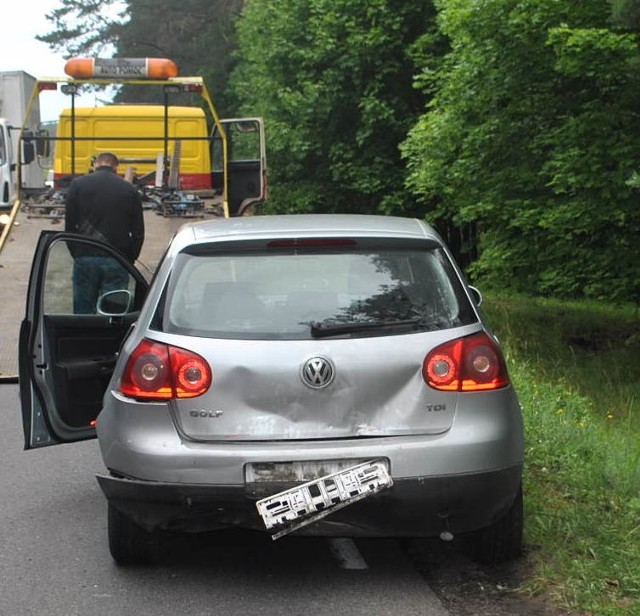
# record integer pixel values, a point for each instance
(292, 509)
(298, 472)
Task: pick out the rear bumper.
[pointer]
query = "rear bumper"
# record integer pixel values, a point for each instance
(421, 506)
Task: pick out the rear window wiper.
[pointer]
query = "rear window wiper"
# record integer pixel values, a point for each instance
(323, 330)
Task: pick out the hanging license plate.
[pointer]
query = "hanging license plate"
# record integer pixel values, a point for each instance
(292, 509)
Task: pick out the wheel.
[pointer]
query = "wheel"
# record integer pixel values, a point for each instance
(502, 540)
(129, 543)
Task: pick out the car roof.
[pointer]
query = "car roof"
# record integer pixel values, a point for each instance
(301, 225)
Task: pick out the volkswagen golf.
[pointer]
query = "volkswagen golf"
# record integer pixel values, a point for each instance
(312, 374)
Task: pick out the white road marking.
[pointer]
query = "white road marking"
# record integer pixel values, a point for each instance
(347, 553)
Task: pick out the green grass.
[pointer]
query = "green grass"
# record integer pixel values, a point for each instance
(577, 371)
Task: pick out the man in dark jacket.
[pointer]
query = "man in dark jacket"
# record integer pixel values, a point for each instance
(103, 206)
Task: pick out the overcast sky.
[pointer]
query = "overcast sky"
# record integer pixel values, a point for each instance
(20, 51)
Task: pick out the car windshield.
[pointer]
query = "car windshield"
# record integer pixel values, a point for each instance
(302, 294)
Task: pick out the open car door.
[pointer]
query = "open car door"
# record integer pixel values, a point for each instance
(246, 163)
(66, 359)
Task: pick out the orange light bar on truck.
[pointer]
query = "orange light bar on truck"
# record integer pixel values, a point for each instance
(121, 68)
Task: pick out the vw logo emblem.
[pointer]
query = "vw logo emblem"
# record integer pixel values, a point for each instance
(317, 372)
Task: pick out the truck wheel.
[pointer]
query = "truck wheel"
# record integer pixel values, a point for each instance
(502, 540)
(129, 543)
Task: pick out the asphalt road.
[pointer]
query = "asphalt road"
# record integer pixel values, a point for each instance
(54, 558)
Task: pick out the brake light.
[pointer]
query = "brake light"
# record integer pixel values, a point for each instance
(157, 371)
(192, 87)
(329, 242)
(47, 85)
(474, 363)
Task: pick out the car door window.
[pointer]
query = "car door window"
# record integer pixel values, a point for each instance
(78, 274)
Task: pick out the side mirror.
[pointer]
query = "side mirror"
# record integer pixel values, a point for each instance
(476, 295)
(115, 303)
(28, 152)
(247, 127)
(42, 143)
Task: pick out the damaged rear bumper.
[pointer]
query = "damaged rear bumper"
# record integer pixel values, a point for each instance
(417, 507)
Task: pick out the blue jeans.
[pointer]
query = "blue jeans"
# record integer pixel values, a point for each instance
(93, 276)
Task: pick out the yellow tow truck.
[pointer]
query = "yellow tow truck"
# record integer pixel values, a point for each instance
(180, 157)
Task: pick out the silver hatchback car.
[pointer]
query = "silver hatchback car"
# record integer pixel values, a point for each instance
(317, 374)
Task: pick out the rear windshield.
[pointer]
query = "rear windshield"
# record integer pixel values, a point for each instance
(304, 294)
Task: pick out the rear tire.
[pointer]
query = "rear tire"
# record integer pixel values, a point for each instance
(129, 543)
(502, 540)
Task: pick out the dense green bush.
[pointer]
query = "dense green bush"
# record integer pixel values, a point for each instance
(533, 137)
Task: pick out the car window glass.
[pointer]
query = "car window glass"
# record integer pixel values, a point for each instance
(77, 275)
(281, 295)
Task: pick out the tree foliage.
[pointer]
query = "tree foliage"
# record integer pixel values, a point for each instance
(84, 27)
(196, 34)
(626, 13)
(533, 136)
(512, 125)
(333, 79)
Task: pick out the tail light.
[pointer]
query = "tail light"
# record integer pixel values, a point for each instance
(157, 371)
(473, 363)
